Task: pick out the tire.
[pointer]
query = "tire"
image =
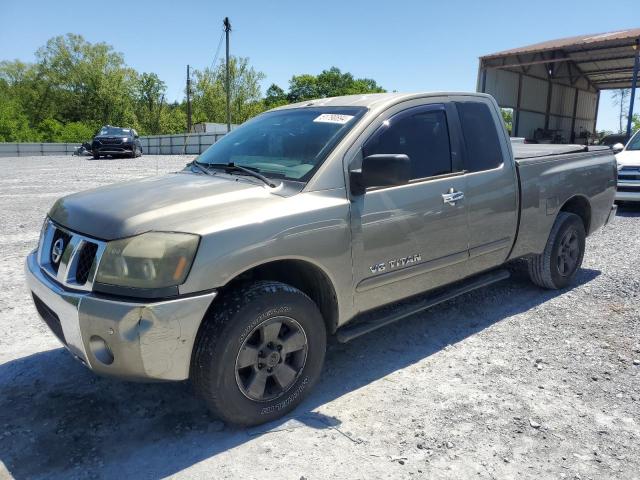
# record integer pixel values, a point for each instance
(133, 152)
(556, 267)
(231, 355)
(96, 156)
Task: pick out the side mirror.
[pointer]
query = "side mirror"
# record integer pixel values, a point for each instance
(617, 148)
(381, 170)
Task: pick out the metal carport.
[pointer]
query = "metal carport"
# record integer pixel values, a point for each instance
(555, 86)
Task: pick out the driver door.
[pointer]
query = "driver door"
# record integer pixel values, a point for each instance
(413, 237)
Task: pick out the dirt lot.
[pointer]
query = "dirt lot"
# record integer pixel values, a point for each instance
(508, 382)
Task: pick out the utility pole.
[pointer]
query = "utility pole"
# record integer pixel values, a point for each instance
(188, 101)
(159, 114)
(634, 82)
(227, 29)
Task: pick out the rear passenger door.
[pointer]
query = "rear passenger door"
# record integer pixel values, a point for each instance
(491, 194)
(413, 237)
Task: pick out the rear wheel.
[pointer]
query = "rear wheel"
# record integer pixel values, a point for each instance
(259, 353)
(563, 254)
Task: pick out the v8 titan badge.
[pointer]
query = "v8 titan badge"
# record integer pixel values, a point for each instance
(395, 263)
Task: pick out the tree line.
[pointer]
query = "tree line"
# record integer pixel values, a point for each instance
(74, 87)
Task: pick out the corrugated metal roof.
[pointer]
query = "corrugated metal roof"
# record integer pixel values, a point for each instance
(580, 42)
(604, 59)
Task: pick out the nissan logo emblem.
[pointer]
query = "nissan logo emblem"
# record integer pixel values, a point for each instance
(57, 250)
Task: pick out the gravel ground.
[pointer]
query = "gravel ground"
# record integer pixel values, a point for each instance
(507, 382)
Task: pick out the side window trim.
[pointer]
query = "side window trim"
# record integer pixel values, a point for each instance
(458, 149)
(417, 181)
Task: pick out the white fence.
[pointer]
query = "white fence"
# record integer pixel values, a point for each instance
(193, 144)
(31, 149)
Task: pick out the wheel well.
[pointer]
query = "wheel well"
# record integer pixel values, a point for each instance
(581, 207)
(302, 275)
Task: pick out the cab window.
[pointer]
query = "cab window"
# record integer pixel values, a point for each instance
(422, 134)
(480, 136)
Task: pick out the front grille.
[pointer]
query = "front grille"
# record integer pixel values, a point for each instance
(85, 261)
(111, 141)
(50, 318)
(76, 268)
(58, 234)
(628, 176)
(629, 189)
(629, 173)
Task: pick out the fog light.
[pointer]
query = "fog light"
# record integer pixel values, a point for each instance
(100, 349)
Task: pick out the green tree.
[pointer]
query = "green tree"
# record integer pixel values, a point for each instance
(329, 83)
(75, 132)
(209, 92)
(507, 117)
(148, 94)
(14, 124)
(275, 96)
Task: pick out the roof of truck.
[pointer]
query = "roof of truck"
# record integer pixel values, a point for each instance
(371, 100)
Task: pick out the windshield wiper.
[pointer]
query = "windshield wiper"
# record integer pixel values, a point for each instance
(199, 167)
(230, 167)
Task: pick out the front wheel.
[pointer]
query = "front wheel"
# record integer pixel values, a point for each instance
(259, 352)
(563, 254)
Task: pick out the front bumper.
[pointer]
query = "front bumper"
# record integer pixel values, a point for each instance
(628, 184)
(625, 194)
(112, 148)
(120, 338)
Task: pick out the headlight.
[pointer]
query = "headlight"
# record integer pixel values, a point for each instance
(125, 139)
(149, 260)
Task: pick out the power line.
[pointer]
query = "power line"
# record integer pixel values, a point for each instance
(215, 57)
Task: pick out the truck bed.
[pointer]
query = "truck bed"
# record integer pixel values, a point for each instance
(549, 175)
(523, 151)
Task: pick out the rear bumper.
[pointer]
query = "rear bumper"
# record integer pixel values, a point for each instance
(120, 338)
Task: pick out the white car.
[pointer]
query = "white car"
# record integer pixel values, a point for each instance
(628, 159)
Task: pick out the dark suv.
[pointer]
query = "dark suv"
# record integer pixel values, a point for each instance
(116, 141)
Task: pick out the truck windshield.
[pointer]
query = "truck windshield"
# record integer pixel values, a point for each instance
(634, 143)
(289, 143)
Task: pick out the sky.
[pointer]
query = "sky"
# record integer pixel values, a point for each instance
(404, 45)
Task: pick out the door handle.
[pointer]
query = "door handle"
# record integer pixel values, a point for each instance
(452, 196)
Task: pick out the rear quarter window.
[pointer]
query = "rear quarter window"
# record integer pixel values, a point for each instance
(481, 140)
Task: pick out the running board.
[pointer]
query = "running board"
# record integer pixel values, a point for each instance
(371, 321)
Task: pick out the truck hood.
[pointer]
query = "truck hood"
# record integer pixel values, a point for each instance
(628, 158)
(179, 202)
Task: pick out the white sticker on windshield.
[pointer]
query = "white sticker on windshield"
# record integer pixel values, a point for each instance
(333, 118)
